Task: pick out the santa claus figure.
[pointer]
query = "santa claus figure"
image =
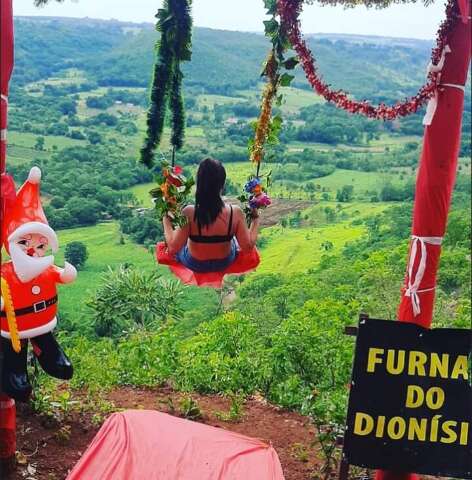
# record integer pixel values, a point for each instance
(31, 279)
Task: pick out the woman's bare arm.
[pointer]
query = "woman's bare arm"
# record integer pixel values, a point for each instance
(247, 237)
(176, 239)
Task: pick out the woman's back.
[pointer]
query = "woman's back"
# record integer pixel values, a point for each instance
(212, 225)
(212, 241)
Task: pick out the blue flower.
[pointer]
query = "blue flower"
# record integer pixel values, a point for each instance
(249, 187)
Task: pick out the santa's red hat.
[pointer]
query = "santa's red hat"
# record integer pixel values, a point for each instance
(26, 215)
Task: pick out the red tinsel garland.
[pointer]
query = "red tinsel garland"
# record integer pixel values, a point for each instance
(290, 10)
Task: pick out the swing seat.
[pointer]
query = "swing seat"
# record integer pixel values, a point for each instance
(245, 262)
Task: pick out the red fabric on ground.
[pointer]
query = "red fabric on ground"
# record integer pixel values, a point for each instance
(156, 446)
(244, 263)
(437, 172)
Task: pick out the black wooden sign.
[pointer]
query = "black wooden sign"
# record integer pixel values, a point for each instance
(410, 407)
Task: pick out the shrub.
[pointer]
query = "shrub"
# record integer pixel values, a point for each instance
(310, 353)
(148, 358)
(76, 253)
(224, 356)
(128, 299)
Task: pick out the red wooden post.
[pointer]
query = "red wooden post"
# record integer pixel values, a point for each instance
(6, 52)
(7, 405)
(7, 433)
(434, 186)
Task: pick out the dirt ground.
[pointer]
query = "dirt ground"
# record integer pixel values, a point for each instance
(278, 209)
(281, 208)
(48, 450)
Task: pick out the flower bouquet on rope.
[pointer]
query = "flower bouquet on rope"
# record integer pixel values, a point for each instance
(171, 194)
(255, 195)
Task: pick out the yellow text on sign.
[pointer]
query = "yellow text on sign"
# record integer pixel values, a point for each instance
(417, 363)
(423, 429)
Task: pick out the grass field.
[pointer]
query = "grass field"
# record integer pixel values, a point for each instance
(28, 140)
(18, 155)
(105, 250)
(290, 250)
(294, 98)
(297, 250)
(210, 101)
(71, 76)
(362, 181)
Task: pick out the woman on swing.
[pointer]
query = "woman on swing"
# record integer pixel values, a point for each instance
(215, 231)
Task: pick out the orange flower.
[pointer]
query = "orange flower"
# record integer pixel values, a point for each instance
(165, 189)
(257, 190)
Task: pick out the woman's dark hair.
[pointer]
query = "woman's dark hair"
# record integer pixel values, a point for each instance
(211, 177)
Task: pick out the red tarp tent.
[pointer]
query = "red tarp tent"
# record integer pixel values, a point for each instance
(143, 444)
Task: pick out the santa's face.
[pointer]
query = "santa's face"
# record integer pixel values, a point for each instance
(28, 255)
(34, 245)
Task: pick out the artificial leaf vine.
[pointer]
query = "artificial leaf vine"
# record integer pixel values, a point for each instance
(275, 69)
(174, 23)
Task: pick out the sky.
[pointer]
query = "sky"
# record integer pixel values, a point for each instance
(410, 20)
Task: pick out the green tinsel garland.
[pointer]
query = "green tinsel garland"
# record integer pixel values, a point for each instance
(175, 26)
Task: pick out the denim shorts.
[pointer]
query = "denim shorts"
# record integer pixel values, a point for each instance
(206, 266)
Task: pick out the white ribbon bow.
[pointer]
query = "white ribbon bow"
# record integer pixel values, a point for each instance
(413, 286)
(3, 131)
(4, 404)
(433, 101)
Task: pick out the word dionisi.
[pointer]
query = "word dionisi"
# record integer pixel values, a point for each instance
(423, 429)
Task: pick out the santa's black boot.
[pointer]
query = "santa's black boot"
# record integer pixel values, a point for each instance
(15, 381)
(51, 357)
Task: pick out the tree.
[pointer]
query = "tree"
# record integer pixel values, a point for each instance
(330, 214)
(68, 107)
(57, 202)
(39, 145)
(345, 194)
(94, 137)
(76, 253)
(327, 246)
(84, 210)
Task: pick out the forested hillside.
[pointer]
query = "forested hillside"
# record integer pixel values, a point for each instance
(115, 54)
(334, 243)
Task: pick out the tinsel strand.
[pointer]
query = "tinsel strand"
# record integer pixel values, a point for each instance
(289, 12)
(263, 124)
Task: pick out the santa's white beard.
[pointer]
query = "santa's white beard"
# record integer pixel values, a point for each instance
(27, 268)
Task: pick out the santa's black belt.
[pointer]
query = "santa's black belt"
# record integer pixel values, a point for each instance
(36, 308)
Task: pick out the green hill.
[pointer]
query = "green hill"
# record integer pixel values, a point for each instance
(121, 54)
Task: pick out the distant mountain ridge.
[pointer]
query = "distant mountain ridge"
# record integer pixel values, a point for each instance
(348, 37)
(114, 53)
